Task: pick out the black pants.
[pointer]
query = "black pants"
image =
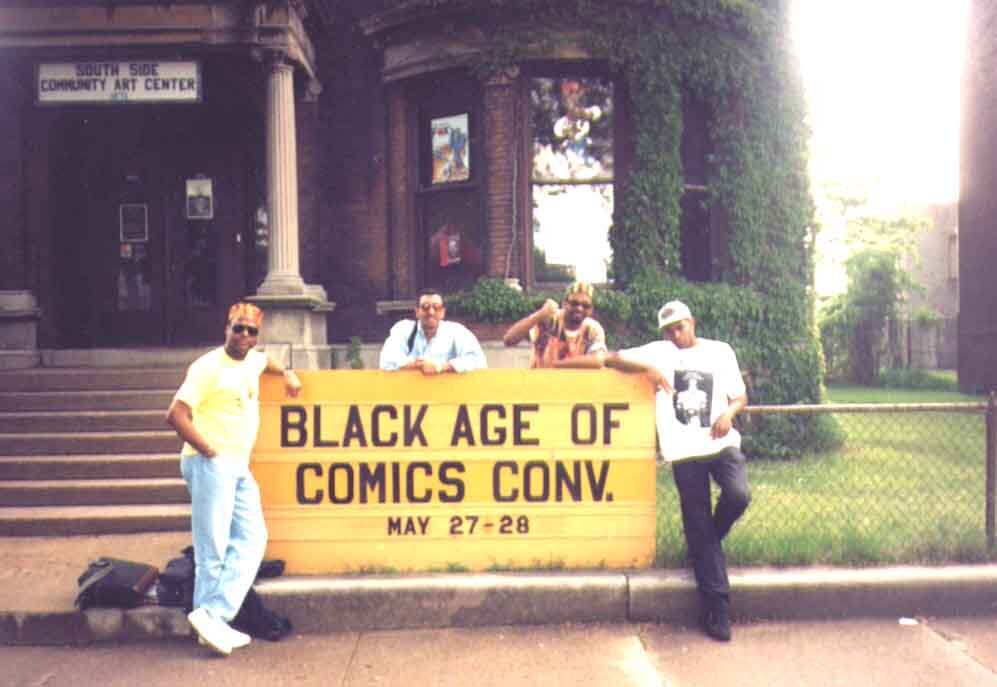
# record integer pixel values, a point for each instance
(706, 528)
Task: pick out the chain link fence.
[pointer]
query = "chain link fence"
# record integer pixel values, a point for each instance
(910, 483)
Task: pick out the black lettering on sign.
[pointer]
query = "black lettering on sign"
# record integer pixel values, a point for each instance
(608, 423)
(598, 484)
(371, 479)
(584, 429)
(492, 430)
(97, 69)
(143, 69)
(413, 426)
(347, 471)
(396, 482)
(520, 425)
(316, 495)
(408, 525)
(571, 483)
(487, 438)
(462, 428)
(412, 482)
(498, 493)
(458, 484)
(426, 495)
(383, 419)
(535, 482)
(354, 429)
(585, 423)
(293, 418)
(320, 441)
(375, 425)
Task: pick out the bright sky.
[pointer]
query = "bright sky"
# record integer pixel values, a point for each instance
(882, 80)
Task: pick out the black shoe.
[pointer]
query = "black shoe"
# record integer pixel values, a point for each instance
(716, 623)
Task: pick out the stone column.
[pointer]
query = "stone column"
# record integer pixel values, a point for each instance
(283, 275)
(295, 322)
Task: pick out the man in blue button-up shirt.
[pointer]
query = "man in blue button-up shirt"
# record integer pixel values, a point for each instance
(431, 344)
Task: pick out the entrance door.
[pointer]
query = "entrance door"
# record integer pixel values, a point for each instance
(139, 262)
(208, 225)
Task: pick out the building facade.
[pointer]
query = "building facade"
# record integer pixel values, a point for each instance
(933, 312)
(325, 158)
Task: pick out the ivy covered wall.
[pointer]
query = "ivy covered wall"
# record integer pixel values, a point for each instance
(734, 56)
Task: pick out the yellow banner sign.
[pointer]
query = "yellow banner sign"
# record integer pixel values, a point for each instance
(496, 469)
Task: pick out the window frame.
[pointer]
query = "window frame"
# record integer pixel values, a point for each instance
(621, 134)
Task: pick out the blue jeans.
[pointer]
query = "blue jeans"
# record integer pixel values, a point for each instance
(230, 535)
(706, 528)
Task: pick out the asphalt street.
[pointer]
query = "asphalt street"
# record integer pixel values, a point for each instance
(954, 652)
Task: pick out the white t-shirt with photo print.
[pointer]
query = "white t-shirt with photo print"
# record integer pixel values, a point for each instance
(704, 377)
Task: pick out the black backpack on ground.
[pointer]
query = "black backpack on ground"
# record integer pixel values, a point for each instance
(176, 582)
(256, 620)
(115, 583)
(176, 588)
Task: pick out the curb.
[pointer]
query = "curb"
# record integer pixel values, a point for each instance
(319, 605)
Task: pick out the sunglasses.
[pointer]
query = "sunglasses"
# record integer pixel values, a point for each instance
(579, 304)
(240, 328)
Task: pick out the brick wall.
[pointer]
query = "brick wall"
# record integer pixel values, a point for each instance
(351, 179)
(498, 197)
(402, 230)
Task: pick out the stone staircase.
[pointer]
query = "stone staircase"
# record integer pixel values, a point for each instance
(85, 450)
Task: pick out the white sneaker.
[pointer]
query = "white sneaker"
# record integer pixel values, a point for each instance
(213, 633)
(236, 638)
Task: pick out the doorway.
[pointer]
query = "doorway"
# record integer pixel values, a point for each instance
(152, 214)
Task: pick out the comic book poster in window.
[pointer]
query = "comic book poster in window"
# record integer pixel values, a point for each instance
(451, 149)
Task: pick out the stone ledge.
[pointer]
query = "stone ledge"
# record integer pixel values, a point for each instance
(380, 602)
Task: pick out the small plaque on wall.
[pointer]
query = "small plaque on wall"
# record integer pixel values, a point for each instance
(200, 200)
(133, 222)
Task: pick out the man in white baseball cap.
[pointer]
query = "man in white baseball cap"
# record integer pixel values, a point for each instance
(672, 312)
(700, 392)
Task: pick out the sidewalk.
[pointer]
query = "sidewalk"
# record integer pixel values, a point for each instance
(38, 586)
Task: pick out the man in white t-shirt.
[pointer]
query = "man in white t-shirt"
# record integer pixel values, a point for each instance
(216, 412)
(700, 392)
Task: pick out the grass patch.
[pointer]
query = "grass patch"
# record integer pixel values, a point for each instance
(913, 378)
(903, 488)
(844, 393)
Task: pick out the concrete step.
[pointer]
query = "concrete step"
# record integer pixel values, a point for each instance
(104, 358)
(89, 443)
(26, 401)
(89, 379)
(58, 521)
(40, 422)
(92, 492)
(153, 465)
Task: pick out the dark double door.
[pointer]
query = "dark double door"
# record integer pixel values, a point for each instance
(139, 259)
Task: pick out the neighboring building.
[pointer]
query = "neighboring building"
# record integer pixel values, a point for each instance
(978, 204)
(933, 326)
(327, 158)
